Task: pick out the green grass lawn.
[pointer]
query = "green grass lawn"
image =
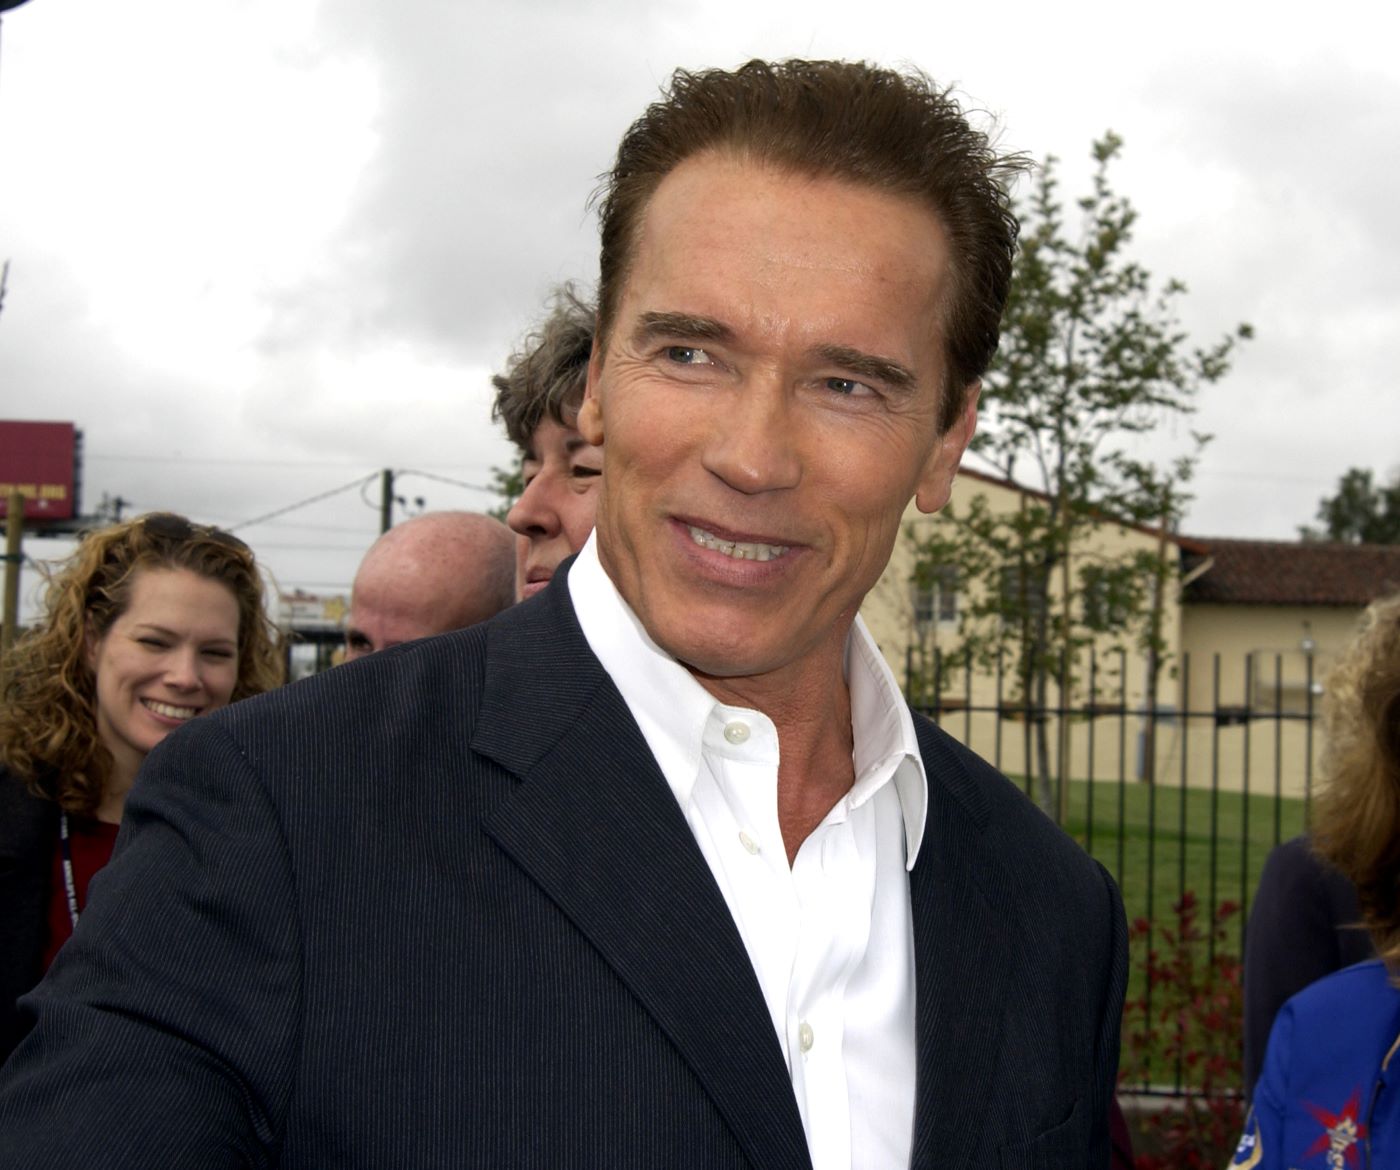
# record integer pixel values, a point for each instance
(1159, 844)
(1160, 841)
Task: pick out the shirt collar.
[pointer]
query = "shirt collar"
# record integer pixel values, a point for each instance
(672, 709)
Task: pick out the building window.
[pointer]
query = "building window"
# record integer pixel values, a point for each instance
(1104, 608)
(936, 599)
(1020, 599)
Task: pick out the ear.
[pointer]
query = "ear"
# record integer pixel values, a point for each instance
(936, 480)
(590, 411)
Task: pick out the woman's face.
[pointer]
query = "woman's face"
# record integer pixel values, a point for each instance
(554, 514)
(172, 655)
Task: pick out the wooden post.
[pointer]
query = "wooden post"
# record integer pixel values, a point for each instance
(1066, 673)
(14, 536)
(386, 500)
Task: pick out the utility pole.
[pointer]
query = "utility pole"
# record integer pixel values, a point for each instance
(14, 534)
(386, 500)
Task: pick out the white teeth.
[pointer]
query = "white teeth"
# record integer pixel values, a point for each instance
(171, 712)
(738, 549)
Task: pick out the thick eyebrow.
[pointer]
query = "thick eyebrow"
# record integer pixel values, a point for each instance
(692, 328)
(864, 365)
(650, 326)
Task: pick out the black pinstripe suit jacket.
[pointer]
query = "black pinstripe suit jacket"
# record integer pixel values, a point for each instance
(28, 837)
(439, 909)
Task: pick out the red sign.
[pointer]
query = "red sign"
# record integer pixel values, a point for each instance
(40, 459)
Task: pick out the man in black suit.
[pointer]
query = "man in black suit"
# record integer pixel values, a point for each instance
(655, 869)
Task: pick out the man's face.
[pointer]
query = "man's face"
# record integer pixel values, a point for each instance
(554, 514)
(769, 398)
(377, 623)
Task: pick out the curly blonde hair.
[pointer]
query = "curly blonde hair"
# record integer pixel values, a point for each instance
(48, 720)
(1357, 819)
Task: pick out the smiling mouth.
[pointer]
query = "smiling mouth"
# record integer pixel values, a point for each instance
(169, 710)
(740, 550)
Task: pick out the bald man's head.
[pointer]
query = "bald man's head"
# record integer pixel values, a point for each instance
(428, 575)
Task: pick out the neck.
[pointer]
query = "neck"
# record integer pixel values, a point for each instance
(113, 802)
(812, 715)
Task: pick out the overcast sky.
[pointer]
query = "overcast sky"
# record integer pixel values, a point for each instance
(260, 249)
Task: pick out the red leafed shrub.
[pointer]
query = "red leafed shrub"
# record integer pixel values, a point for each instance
(1184, 1024)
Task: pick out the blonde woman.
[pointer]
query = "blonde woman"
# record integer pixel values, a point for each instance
(1329, 1092)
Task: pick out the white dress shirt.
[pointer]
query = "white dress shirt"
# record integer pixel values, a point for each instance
(831, 937)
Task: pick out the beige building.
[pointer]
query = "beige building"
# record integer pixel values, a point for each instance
(1248, 629)
(1262, 622)
(916, 628)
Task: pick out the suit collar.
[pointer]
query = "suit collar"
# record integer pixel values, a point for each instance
(673, 710)
(595, 826)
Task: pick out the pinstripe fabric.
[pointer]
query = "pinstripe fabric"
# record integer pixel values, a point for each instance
(438, 909)
(28, 830)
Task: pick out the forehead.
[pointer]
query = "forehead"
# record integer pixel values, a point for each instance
(763, 247)
(389, 624)
(552, 438)
(171, 597)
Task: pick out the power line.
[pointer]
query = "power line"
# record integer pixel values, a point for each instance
(298, 547)
(476, 487)
(202, 461)
(354, 483)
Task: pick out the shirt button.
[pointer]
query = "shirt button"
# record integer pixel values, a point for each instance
(805, 1036)
(736, 732)
(748, 842)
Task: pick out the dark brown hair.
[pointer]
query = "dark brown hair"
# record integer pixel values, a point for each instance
(546, 376)
(48, 720)
(1356, 824)
(896, 132)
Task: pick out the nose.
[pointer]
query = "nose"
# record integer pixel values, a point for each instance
(535, 513)
(753, 446)
(182, 669)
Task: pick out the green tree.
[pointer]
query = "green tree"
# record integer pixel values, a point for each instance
(1092, 359)
(509, 484)
(1361, 512)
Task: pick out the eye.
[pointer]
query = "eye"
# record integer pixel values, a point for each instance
(220, 652)
(849, 387)
(583, 471)
(153, 643)
(688, 355)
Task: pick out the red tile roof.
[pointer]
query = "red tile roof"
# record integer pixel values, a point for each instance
(1267, 572)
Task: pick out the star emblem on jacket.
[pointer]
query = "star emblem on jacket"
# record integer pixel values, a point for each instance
(1341, 1132)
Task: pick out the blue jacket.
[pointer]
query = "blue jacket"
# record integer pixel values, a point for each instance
(1329, 1094)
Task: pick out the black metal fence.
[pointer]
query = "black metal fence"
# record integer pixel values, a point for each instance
(1180, 798)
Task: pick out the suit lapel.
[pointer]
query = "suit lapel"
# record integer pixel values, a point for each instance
(962, 960)
(594, 824)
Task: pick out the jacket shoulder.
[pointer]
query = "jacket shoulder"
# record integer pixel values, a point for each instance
(385, 695)
(1011, 828)
(1361, 989)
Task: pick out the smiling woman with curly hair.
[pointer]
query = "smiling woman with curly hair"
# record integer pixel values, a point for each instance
(1328, 1083)
(146, 626)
